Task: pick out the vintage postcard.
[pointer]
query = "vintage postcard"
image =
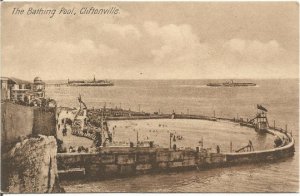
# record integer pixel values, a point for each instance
(156, 97)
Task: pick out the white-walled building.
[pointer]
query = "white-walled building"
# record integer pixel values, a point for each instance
(18, 90)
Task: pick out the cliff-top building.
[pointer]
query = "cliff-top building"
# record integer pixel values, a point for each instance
(6, 84)
(18, 90)
(38, 87)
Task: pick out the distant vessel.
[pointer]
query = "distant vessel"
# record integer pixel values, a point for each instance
(93, 82)
(231, 84)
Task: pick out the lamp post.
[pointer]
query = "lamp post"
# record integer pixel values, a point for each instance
(171, 135)
(137, 138)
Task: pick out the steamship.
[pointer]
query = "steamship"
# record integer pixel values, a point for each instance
(93, 82)
(231, 84)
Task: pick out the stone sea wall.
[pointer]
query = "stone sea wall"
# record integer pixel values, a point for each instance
(263, 155)
(125, 161)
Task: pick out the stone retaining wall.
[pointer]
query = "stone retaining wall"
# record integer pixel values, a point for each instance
(124, 161)
(18, 121)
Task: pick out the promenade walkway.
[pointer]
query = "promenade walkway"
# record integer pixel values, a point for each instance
(73, 140)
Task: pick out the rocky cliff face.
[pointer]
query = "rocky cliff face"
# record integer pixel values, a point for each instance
(30, 166)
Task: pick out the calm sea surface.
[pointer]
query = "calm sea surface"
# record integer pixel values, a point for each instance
(280, 97)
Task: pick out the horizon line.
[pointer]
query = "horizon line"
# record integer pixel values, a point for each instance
(229, 78)
(186, 78)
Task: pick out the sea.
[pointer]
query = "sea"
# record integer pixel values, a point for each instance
(279, 96)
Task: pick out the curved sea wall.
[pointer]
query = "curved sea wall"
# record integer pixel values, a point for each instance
(263, 155)
(124, 161)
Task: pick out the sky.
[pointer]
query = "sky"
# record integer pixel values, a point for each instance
(153, 40)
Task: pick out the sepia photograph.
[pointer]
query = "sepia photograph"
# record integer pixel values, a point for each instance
(149, 97)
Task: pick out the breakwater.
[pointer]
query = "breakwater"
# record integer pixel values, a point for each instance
(124, 161)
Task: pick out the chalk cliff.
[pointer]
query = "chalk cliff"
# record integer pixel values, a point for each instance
(30, 166)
